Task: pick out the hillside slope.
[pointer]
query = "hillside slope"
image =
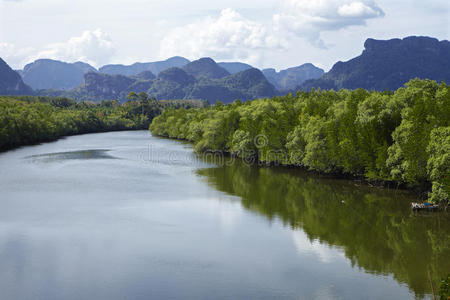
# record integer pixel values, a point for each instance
(389, 64)
(10, 81)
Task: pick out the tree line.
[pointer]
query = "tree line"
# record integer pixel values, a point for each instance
(401, 137)
(26, 120)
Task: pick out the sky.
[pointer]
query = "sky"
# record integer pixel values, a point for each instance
(264, 33)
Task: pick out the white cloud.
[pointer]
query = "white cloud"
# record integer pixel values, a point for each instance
(323, 252)
(309, 18)
(228, 37)
(94, 47)
(231, 36)
(358, 10)
(15, 57)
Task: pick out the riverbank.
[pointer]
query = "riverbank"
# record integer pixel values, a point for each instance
(221, 158)
(401, 138)
(28, 120)
(32, 120)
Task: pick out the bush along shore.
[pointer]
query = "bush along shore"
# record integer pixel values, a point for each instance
(26, 120)
(401, 137)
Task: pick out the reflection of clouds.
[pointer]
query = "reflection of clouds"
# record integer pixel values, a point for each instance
(324, 252)
(221, 208)
(229, 218)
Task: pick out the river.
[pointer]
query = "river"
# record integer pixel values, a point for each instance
(125, 215)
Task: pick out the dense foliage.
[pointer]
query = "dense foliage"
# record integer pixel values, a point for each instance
(27, 120)
(444, 289)
(402, 136)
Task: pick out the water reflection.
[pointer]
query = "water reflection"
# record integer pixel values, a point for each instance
(70, 155)
(374, 227)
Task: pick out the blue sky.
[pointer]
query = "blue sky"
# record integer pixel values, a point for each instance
(264, 33)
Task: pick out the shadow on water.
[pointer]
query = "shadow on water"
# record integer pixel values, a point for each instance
(71, 155)
(375, 227)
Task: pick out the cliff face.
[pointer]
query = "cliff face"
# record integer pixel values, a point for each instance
(293, 77)
(177, 83)
(389, 64)
(205, 68)
(234, 67)
(10, 81)
(136, 68)
(54, 74)
(99, 86)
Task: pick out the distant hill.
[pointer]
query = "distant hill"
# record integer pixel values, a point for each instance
(234, 67)
(292, 77)
(10, 81)
(383, 65)
(205, 68)
(146, 75)
(202, 79)
(245, 85)
(136, 68)
(388, 64)
(54, 74)
(98, 86)
(172, 83)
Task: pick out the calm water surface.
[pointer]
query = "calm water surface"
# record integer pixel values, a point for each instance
(126, 215)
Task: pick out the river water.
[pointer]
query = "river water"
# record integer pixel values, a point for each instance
(125, 215)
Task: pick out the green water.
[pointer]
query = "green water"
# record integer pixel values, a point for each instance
(373, 227)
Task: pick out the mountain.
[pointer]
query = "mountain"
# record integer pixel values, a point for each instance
(136, 68)
(389, 64)
(98, 86)
(205, 68)
(252, 83)
(146, 75)
(245, 85)
(291, 78)
(54, 74)
(202, 79)
(172, 83)
(234, 67)
(10, 81)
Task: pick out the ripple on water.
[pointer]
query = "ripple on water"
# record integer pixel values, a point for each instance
(71, 155)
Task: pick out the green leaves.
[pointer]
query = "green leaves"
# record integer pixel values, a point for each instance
(401, 136)
(438, 164)
(27, 120)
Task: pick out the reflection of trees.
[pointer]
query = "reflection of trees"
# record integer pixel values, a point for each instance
(375, 227)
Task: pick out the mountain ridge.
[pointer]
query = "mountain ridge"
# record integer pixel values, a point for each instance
(383, 65)
(11, 82)
(389, 64)
(54, 74)
(138, 67)
(290, 78)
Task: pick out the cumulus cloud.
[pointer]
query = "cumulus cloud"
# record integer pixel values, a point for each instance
(231, 36)
(94, 47)
(308, 18)
(14, 56)
(227, 37)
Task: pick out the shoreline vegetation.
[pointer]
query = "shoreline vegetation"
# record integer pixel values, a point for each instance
(28, 120)
(400, 137)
